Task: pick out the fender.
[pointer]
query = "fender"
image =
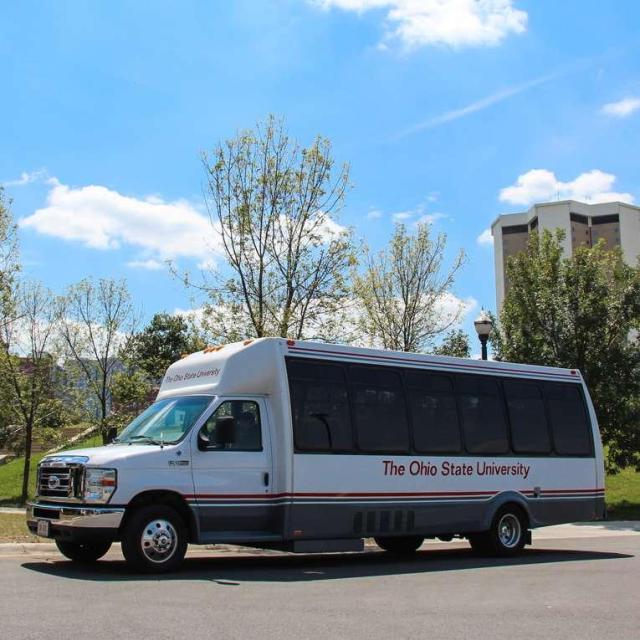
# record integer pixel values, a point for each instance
(506, 497)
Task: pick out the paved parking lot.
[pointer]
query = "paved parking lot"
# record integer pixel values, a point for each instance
(563, 587)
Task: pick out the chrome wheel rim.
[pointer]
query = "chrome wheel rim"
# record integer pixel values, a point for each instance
(159, 541)
(509, 531)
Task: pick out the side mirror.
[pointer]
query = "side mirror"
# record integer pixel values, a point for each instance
(225, 431)
(112, 434)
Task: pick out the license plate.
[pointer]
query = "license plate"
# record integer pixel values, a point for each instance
(43, 528)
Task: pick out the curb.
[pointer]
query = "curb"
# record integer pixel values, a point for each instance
(26, 548)
(13, 549)
(568, 531)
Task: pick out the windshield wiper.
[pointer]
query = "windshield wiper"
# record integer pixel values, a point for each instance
(146, 439)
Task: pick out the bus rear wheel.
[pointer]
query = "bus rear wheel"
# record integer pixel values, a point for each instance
(404, 545)
(507, 534)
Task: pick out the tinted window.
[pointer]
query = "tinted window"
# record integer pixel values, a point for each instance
(483, 421)
(433, 413)
(529, 429)
(320, 407)
(379, 408)
(569, 422)
(247, 421)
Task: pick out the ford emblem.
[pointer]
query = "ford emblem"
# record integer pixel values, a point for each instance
(54, 482)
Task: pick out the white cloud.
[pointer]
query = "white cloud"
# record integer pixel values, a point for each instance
(541, 185)
(402, 216)
(328, 229)
(28, 177)
(101, 218)
(622, 108)
(374, 214)
(485, 238)
(149, 265)
(418, 215)
(449, 306)
(453, 23)
(430, 218)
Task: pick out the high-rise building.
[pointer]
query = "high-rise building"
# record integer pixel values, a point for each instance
(584, 224)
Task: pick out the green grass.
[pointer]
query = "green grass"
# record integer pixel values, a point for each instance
(11, 473)
(13, 528)
(623, 495)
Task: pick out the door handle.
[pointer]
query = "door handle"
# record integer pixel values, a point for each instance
(265, 478)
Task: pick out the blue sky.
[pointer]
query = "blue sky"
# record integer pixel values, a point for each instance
(457, 110)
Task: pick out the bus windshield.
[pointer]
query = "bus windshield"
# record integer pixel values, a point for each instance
(165, 421)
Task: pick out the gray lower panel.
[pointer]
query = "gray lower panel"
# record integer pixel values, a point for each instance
(331, 521)
(229, 523)
(549, 511)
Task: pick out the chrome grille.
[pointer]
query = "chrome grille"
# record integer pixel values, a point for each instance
(57, 479)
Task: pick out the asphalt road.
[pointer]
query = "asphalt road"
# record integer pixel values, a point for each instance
(579, 587)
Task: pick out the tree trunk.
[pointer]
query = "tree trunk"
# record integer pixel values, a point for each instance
(27, 464)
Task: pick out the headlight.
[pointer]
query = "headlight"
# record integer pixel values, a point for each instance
(99, 484)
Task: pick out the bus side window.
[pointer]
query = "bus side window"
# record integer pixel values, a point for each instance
(529, 428)
(319, 407)
(569, 422)
(483, 421)
(379, 410)
(433, 413)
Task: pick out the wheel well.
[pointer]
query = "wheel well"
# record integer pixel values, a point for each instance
(168, 498)
(517, 506)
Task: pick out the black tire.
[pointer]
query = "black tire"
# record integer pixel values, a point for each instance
(84, 552)
(154, 539)
(400, 545)
(507, 535)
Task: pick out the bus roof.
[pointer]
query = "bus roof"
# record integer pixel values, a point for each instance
(253, 366)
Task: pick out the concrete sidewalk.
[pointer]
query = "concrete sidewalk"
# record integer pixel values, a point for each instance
(558, 532)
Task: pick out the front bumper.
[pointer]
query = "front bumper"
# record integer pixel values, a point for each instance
(76, 522)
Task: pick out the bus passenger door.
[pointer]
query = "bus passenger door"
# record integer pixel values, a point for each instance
(233, 481)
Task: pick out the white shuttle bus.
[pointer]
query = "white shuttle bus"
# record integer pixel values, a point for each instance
(311, 447)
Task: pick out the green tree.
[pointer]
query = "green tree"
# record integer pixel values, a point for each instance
(163, 341)
(272, 205)
(9, 264)
(27, 363)
(10, 432)
(403, 290)
(96, 320)
(131, 393)
(455, 343)
(580, 312)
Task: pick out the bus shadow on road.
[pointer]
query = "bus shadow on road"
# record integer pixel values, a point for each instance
(235, 570)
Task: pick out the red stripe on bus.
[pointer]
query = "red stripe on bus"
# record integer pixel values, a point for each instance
(273, 496)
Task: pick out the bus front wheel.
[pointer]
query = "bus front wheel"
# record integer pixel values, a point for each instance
(84, 552)
(155, 539)
(405, 545)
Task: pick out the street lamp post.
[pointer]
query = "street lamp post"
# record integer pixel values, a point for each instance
(483, 327)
